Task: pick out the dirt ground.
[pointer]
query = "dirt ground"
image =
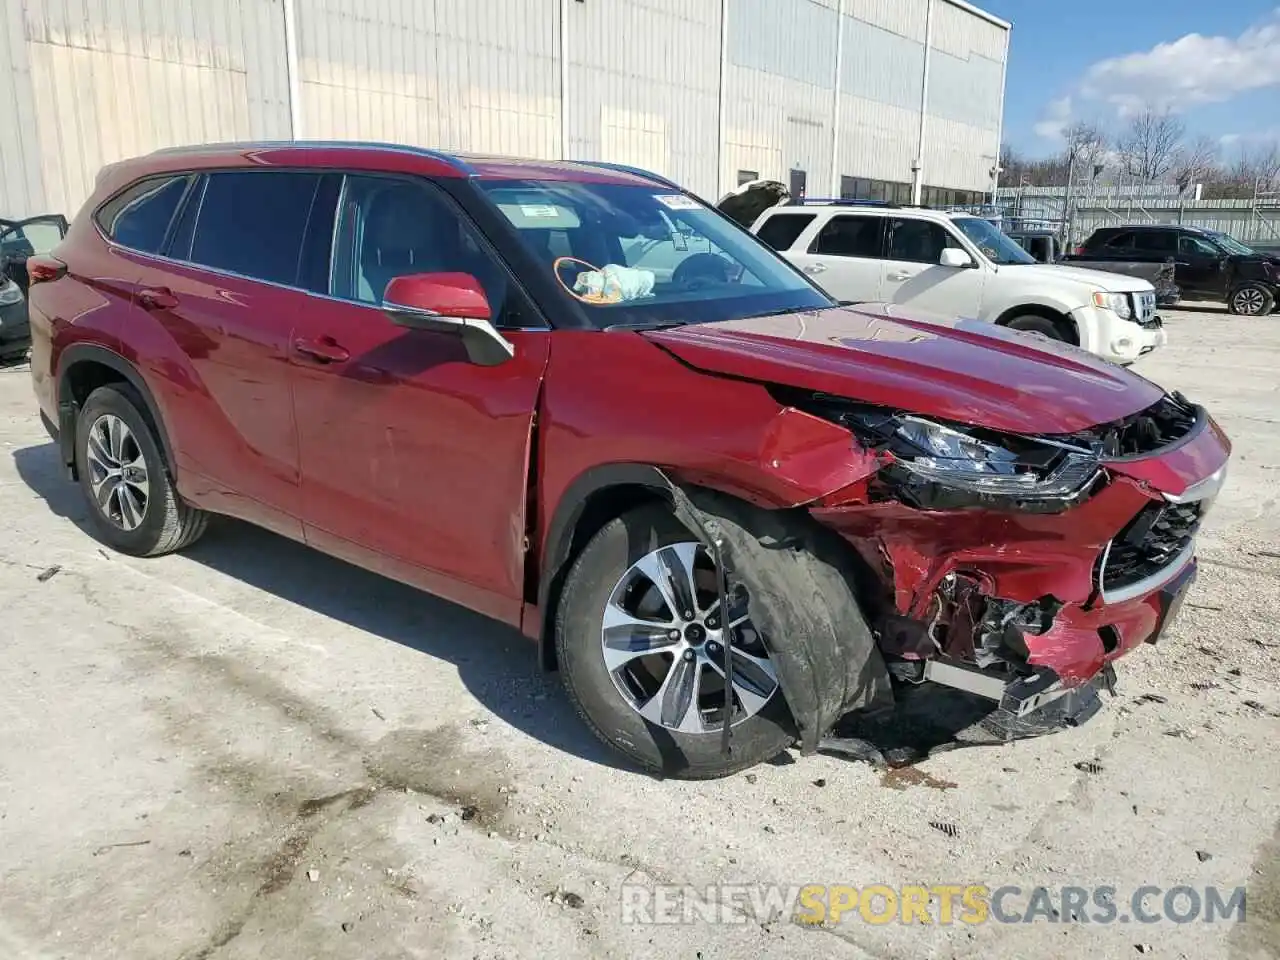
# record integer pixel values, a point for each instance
(252, 750)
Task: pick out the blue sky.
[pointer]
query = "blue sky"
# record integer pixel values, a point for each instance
(1215, 62)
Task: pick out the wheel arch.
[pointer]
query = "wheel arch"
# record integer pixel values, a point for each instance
(1048, 311)
(82, 368)
(595, 497)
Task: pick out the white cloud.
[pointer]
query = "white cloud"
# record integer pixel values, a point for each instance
(1055, 119)
(1191, 70)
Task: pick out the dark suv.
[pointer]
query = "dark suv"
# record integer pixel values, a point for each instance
(574, 398)
(1207, 263)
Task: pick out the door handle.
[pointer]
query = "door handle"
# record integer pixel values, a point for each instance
(901, 276)
(156, 298)
(814, 267)
(324, 350)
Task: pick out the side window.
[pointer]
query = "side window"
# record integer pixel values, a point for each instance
(919, 241)
(1121, 241)
(781, 230)
(390, 228)
(1156, 241)
(139, 217)
(252, 223)
(1196, 247)
(850, 236)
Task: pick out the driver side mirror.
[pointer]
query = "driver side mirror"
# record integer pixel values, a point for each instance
(452, 303)
(953, 257)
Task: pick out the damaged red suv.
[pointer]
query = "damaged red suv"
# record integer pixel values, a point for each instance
(571, 396)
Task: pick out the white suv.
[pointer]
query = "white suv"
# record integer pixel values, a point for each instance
(959, 265)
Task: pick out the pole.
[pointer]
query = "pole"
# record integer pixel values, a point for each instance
(564, 79)
(724, 183)
(835, 103)
(291, 68)
(917, 173)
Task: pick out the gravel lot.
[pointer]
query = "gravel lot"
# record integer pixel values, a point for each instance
(252, 750)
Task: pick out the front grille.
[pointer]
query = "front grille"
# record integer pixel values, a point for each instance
(1144, 306)
(1166, 421)
(1152, 540)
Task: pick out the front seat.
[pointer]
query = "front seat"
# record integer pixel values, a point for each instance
(398, 240)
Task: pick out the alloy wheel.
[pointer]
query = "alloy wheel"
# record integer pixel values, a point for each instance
(118, 473)
(664, 643)
(1249, 302)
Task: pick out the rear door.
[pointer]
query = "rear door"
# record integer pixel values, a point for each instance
(843, 255)
(415, 460)
(914, 277)
(221, 309)
(25, 238)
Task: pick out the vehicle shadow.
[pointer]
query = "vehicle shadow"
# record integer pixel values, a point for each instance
(498, 665)
(1198, 306)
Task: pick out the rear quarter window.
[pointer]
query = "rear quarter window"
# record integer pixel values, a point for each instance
(782, 230)
(139, 216)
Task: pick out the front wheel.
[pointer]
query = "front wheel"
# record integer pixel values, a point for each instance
(1251, 300)
(1034, 323)
(642, 644)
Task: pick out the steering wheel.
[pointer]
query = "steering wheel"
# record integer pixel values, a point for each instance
(702, 269)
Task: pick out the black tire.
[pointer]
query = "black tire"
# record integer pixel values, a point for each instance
(579, 619)
(1251, 300)
(168, 523)
(1046, 327)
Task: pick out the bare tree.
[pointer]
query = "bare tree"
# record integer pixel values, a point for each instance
(1086, 149)
(1194, 162)
(1150, 144)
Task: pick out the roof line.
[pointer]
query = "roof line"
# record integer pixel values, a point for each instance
(634, 171)
(968, 7)
(456, 162)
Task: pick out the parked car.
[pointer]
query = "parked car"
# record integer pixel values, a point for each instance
(1209, 264)
(723, 504)
(19, 239)
(1043, 245)
(954, 264)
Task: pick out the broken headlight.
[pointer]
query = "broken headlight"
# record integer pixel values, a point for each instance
(1019, 467)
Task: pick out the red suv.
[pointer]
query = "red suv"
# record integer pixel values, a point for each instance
(577, 399)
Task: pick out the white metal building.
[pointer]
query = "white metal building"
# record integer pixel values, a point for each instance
(824, 94)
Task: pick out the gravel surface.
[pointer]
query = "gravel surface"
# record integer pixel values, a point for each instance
(253, 750)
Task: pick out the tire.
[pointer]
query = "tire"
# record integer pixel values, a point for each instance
(602, 704)
(1034, 323)
(1251, 300)
(165, 523)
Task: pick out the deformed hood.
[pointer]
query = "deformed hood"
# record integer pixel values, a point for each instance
(746, 202)
(961, 370)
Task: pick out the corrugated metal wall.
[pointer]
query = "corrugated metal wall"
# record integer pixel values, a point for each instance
(93, 81)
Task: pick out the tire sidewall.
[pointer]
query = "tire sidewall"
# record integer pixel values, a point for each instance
(1034, 323)
(579, 622)
(1268, 300)
(144, 537)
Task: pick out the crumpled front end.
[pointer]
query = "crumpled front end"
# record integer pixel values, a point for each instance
(1023, 601)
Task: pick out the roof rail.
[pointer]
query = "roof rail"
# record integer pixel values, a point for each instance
(456, 162)
(840, 202)
(634, 171)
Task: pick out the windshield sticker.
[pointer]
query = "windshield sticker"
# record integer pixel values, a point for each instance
(677, 201)
(541, 211)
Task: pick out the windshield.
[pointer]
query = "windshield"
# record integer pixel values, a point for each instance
(642, 255)
(1229, 243)
(996, 246)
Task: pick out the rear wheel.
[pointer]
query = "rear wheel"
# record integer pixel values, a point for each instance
(1251, 300)
(133, 504)
(642, 644)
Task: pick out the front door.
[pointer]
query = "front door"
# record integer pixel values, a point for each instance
(914, 277)
(414, 460)
(1199, 267)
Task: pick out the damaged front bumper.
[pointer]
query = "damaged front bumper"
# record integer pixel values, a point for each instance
(1031, 610)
